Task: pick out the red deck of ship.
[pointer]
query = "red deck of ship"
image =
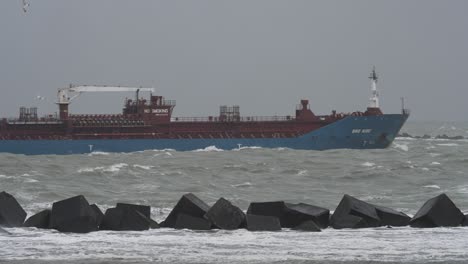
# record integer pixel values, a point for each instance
(143, 120)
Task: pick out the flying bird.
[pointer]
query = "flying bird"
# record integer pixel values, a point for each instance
(25, 6)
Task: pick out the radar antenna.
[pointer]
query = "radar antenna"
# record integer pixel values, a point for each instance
(25, 6)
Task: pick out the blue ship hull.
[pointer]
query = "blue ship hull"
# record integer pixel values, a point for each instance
(352, 132)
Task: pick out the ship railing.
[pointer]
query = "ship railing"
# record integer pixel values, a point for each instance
(234, 119)
(42, 121)
(169, 102)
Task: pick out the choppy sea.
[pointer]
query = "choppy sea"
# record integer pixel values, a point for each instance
(403, 177)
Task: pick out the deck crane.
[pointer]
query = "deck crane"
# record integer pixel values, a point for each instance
(66, 95)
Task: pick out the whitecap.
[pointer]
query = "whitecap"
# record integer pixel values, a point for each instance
(448, 144)
(368, 164)
(112, 168)
(143, 167)
(209, 149)
(302, 172)
(405, 138)
(462, 189)
(432, 186)
(453, 128)
(243, 148)
(425, 169)
(242, 185)
(87, 169)
(163, 150)
(98, 153)
(31, 181)
(6, 177)
(115, 167)
(403, 147)
(435, 163)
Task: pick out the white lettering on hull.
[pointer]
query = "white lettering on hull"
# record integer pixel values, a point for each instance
(361, 131)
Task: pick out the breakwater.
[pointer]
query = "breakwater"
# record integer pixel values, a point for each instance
(76, 215)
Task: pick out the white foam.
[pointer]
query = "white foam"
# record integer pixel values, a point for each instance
(31, 181)
(244, 148)
(435, 163)
(143, 167)
(448, 144)
(87, 169)
(368, 164)
(403, 147)
(240, 185)
(98, 153)
(164, 150)
(425, 169)
(209, 149)
(432, 186)
(116, 167)
(6, 177)
(112, 168)
(240, 246)
(405, 138)
(302, 172)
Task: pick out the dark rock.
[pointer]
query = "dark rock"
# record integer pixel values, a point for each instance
(73, 215)
(188, 204)
(296, 214)
(125, 219)
(309, 226)
(406, 135)
(262, 223)
(39, 220)
(457, 137)
(98, 213)
(465, 221)
(224, 215)
(436, 212)
(143, 209)
(426, 136)
(348, 221)
(191, 222)
(354, 213)
(390, 217)
(11, 212)
(444, 136)
(275, 209)
(3, 231)
(154, 224)
(291, 215)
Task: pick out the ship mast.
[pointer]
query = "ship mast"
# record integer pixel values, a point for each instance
(374, 100)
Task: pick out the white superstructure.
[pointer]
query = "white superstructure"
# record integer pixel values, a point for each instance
(75, 91)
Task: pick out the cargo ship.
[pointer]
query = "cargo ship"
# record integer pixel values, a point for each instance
(146, 124)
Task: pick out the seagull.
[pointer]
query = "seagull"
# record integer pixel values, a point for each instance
(40, 97)
(25, 6)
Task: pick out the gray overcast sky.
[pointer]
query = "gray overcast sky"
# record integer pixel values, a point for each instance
(261, 55)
